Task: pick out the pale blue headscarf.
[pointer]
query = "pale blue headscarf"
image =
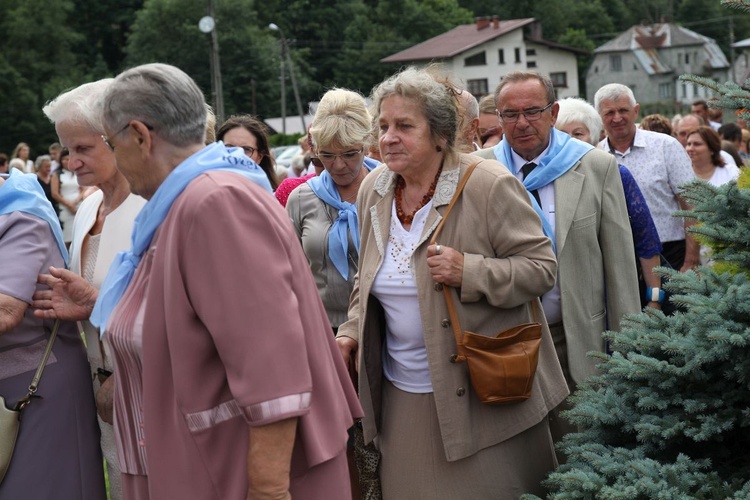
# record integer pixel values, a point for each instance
(562, 154)
(338, 240)
(213, 157)
(22, 193)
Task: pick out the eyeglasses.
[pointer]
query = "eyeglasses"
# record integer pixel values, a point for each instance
(249, 150)
(531, 115)
(349, 156)
(106, 139)
(316, 162)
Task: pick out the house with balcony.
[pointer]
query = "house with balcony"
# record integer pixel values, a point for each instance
(482, 52)
(650, 59)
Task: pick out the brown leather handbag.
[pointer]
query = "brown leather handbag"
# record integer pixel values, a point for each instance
(502, 367)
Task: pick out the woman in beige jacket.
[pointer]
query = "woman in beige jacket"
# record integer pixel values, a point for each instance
(437, 440)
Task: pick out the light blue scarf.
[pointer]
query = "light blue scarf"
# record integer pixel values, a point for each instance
(338, 240)
(563, 152)
(213, 157)
(22, 193)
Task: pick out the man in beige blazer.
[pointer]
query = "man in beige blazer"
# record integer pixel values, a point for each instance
(577, 191)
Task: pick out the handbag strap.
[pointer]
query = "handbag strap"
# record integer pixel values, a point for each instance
(451, 308)
(24, 401)
(452, 314)
(456, 195)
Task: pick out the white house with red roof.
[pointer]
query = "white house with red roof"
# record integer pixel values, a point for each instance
(482, 52)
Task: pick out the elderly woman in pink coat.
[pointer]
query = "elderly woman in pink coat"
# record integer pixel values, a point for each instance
(228, 381)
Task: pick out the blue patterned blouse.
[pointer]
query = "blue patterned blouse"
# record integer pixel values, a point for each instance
(645, 236)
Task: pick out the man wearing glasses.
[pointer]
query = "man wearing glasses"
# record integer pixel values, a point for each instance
(577, 191)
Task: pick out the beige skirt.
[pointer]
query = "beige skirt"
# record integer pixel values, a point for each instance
(414, 466)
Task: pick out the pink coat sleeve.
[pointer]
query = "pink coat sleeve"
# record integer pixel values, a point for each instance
(239, 279)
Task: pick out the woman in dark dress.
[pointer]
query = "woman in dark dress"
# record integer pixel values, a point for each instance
(57, 452)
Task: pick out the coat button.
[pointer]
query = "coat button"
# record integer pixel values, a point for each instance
(438, 287)
(445, 323)
(453, 358)
(460, 391)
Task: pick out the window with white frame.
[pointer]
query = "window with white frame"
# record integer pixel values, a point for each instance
(559, 79)
(478, 87)
(476, 60)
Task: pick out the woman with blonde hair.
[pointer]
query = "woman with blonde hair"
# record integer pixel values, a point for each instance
(23, 152)
(324, 209)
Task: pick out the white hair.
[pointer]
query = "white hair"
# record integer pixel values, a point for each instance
(79, 105)
(576, 110)
(612, 91)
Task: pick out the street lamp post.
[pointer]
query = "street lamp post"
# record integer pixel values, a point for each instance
(208, 25)
(285, 55)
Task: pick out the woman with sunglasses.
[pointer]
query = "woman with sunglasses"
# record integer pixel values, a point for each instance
(323, 210)
(248, 133)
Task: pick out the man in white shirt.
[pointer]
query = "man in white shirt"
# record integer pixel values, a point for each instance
(659, 164)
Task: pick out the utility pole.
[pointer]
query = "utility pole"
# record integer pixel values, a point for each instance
(731, 48)
(285, 55)
(208, 25)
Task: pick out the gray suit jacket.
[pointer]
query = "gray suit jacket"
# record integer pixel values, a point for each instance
(595, 255)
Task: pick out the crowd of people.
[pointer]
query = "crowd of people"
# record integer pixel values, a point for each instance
(237, 323)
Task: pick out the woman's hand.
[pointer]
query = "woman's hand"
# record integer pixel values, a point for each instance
(70, 297)
(446, 265)
(348, 347)
(105, 399)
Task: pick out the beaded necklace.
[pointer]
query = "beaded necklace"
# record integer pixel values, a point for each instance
(400, 185)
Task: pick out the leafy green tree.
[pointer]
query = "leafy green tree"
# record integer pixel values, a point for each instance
(392, 26)
(167, 31)
(38, 60)
(104, 27)
(668, 417)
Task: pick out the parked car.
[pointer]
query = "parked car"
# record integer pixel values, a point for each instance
(284, 154)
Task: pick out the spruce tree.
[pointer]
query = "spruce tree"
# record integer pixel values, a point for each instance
(669, 415)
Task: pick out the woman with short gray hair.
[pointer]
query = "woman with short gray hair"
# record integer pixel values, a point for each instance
(437, 439)
(580, 120)
(228, 381)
